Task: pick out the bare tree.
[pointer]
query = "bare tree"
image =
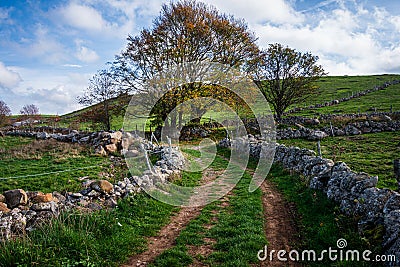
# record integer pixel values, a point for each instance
(5, 111)
(286, 76)
(29, 110)
(102, 90)
(30, 113)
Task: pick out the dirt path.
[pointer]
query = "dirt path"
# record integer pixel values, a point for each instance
(168, 234)
(165, 238)
(280, 227)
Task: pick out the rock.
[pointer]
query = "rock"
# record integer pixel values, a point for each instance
(352, 130)
(93, 206)
(111, 203)
(2, 198)
(4, 208)
(84, 140)
(15, 197)
(99, 150)
(115, 137)
(2, 134)
(102, 186)
(49, 206)
(42, 136)
(41, 197)
(111, 148)
(57, 197)
(317, 135)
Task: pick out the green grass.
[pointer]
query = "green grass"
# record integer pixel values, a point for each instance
(320, 221)
(336, 87)
(371, 153)
(237, 231)
(49, 165)
(103, 238)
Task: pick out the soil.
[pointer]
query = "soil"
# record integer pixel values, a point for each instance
(280, 228)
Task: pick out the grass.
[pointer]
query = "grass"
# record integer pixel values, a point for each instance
(320, 221)
(49, 165)
(371, 153)
(237, 230)
(336, 87)
(103, 238)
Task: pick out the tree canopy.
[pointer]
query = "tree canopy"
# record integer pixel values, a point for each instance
(185, 31)
(286, 76)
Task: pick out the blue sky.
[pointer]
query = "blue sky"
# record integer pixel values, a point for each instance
(50, 49)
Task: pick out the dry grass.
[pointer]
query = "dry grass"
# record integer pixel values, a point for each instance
(38, 148)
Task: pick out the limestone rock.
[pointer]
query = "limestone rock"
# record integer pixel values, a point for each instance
(111, 148)
(102, 186)
(15, 197)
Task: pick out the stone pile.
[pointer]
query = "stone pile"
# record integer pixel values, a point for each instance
(22, 211)
(356, 193)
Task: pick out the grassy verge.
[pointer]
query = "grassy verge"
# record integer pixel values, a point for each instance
(370, 153)
(321, 224)
(103, 238)
(49, 165)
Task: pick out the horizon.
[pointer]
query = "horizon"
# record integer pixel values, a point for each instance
(50, 49)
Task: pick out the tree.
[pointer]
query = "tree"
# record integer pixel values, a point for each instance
(30, 113)
(102, 90)
(5, 111)
(185, 31)
(286, 76)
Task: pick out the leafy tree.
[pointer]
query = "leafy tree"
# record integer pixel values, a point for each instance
(102, 90)
(5, 111)
(185, 31)
(286, 76)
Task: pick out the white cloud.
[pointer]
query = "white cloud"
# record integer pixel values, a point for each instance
(87, 55)
(256, 11)
(8, 78)
(82, 17)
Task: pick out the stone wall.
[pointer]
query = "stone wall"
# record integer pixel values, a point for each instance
(22, 211)
(344, 99)
(356, 193)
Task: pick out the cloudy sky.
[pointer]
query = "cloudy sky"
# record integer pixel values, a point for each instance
(49, 49)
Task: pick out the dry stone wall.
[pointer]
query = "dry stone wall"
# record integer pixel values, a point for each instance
(22, 211)
(356, 193)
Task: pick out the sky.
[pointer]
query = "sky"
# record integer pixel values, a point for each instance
(50, 49)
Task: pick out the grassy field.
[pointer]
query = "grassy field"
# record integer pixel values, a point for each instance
(370, 153)
(49, 165)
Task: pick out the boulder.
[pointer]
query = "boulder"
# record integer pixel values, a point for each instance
(4, 208)
(99, 150)
(15, 197)
(116, 137)
(41, 197)
(111, 148)
(317, 135)
(102, 186)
